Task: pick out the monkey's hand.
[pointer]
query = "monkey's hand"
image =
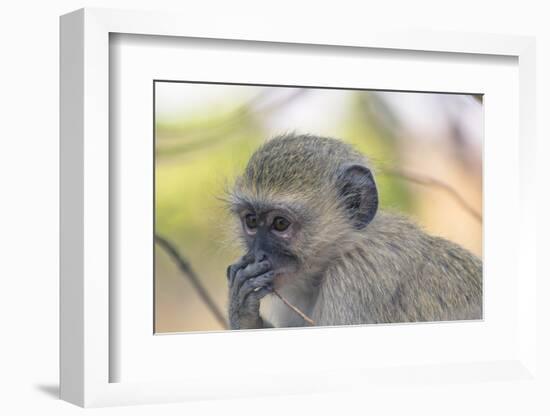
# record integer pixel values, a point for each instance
(248, 283)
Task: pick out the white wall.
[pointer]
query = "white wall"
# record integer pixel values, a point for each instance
(29, 204)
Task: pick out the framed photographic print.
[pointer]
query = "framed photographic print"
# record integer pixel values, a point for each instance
(306, 204)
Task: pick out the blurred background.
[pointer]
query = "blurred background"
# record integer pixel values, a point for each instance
(426, 149)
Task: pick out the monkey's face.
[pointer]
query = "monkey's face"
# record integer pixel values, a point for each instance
(301, 201)
(270, 234)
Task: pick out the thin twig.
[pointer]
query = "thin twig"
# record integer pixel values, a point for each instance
(294, 308)
(185, 267)
(428, 181)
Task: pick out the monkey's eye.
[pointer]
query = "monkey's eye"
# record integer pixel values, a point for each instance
(280, 224)
(251, 221)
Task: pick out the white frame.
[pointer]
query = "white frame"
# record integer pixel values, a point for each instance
(140, 356)
(85, 190)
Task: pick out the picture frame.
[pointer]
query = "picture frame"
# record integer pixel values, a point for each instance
(88, 304)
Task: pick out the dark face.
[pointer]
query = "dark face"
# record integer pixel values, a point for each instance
(269, 235)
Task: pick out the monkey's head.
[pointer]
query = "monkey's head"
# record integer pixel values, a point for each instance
(300, 201)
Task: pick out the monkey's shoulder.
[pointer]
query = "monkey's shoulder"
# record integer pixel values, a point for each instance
(393, 249)
(399, 273)
(399, 232)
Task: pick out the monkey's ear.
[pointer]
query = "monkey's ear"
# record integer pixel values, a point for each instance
(359, 193)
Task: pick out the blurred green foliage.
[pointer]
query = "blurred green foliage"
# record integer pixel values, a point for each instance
(187, 186)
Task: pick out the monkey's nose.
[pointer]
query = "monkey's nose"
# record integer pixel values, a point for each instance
(260, 256)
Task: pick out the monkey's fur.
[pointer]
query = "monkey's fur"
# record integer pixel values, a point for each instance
(341, 261)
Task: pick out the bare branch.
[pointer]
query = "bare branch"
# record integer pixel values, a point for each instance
(186, 269)
(428, 181)
(294, 308)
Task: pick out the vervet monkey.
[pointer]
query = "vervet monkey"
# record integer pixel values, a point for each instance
(307, 210)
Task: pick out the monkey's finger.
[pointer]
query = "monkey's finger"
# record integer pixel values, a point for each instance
(251, 285)
(250, 271)
(256, 269)
(228, 272)
(240, 264)
(263, 280)
(235, 267)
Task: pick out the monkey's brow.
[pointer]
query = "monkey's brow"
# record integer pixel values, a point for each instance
(242, 204)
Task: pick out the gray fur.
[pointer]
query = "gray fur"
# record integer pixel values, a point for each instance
(386, 271)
